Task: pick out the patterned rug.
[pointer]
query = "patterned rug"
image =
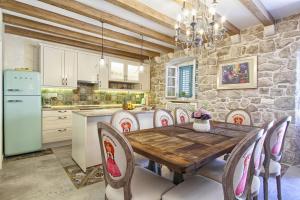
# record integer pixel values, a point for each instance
(30, 155)
(81, 179)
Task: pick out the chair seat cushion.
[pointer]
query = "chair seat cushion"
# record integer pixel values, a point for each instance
(255, 186)
(141, 160)
(213, 170)
(196, 188)
(145, 185)
(274, 168)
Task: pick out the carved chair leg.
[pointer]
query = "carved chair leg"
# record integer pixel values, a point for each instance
(278, 181)
(266, 189)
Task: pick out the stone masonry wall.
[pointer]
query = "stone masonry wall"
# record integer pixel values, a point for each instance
(277, 67)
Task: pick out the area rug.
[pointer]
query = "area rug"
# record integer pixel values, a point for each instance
(30, 155)
(81, 179)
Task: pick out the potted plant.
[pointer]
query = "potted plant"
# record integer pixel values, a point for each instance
(182, 95)
(201, 122)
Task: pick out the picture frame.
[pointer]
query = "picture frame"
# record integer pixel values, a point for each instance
(240, 73)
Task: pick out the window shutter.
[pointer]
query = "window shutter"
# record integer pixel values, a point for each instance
(186, 81)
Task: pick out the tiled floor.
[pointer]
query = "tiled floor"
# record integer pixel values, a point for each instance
(44, 178)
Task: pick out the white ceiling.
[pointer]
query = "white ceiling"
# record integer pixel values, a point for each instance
(234, 11)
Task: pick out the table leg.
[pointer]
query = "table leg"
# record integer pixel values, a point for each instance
(178, 178)
(152, 166)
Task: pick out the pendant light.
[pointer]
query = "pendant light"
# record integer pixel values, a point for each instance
(142, 61)
(102, 61)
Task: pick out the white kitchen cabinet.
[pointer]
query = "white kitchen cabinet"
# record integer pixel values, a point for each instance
(117, 71)
(145, 78)
(70, 68)
(58, 67)
(57, 125)
(133, 73)
(88, 67)
(52, 60)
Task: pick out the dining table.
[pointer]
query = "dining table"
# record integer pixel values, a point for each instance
(184, 150)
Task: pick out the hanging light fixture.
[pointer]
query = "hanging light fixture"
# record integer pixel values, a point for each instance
(142, 61)
(197, 24)
(102, 61)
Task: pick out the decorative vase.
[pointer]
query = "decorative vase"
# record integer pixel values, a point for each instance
(201, 125)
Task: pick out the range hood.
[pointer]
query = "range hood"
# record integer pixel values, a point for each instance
(88, 82)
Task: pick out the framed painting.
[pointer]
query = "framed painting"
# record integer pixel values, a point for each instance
(238, 73)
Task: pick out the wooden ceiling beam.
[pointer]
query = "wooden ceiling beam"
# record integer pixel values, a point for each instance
(19, 21)
(51, 38)
(39, 13)
(259, 10)
(88, 11)
(231, 29)
(145, 11)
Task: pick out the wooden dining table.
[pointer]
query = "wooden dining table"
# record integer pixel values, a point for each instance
(184, 150)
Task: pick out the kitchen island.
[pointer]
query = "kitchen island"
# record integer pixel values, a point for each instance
(85, 144)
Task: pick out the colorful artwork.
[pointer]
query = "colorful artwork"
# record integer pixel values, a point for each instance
(235, 73)
(238, 73)
(238, 119)
(111, 164)
(126, 125)
(164, 121)
(182, 119)
(242, 183)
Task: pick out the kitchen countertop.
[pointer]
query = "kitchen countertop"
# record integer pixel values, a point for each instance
(107, 112)
(85, 107)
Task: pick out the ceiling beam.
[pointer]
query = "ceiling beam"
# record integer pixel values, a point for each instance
(145, 11)
(19, 21)
(258, 9)
(39, 13)
(231, 29)
(65, 41)
(88, 11)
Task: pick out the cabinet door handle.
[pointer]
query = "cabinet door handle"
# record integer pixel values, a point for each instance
(62, 111)
(66, 81)
(62, 117)
(63, 81)
(62, 130)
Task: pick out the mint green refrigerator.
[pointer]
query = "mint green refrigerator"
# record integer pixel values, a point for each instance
(22, 112)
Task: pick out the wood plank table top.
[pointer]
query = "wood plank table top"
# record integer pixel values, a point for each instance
(182, 149)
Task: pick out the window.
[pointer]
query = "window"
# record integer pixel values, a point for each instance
(180, 80)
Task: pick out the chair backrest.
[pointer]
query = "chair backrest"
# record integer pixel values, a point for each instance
(181, 116)
(258, 160)
(240, 117)
(275, 140)
(124, 121)
(162, 118)
(237, 177)
(117, 158)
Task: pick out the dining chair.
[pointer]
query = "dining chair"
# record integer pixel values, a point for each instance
(124, 180)
(181, 116)
(215, 169)
(162, 118)
(126, 122)
(273, 153)
(239, 116)
(236, 180)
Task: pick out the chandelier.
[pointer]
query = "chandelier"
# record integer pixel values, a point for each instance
(197, 24)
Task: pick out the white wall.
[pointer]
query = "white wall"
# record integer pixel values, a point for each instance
(1, 91)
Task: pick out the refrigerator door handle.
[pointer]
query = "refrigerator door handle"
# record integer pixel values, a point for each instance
(14, 101)
(14, 90)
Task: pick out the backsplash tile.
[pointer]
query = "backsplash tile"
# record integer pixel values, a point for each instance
(87, 94)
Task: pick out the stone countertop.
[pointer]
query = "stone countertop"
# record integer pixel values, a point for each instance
(107, 112)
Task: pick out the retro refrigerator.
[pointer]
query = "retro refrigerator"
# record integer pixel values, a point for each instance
(22, 112)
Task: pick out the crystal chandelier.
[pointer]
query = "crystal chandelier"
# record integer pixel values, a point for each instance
(198, 24)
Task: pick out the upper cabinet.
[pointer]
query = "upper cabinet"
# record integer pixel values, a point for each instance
(58, 67)
(145, 78)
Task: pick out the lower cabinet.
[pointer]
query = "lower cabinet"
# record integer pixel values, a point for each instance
(57, 126)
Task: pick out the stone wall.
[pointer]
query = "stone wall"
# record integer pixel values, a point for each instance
(277, 67)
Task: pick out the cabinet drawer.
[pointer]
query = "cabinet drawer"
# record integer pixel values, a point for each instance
(57, 135)
(57, 113)
(51, 123)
